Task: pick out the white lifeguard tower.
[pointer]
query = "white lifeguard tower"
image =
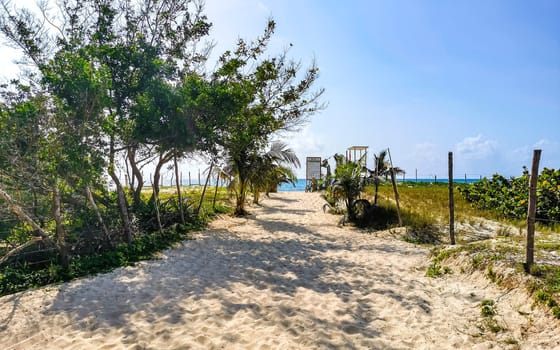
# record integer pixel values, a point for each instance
(354, 153)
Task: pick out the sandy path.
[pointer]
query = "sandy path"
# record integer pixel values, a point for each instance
(285, 278)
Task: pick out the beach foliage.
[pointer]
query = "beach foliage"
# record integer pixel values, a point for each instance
(507, 197)
(112, 86)
(346, 187)
(271, 96)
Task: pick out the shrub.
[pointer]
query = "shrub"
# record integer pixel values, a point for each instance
(508, 197)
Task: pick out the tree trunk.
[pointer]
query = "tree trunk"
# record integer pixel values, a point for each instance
(205, 186)
(59, 227)
(23, 216)
(163, 159)
(131, 154)
(216, 191)
(179, 196)
(121, 196)
(89, 195)
(256, 196)
(156, 207)
(241, 196)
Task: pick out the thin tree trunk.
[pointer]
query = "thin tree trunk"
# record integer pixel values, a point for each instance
(204, 188)
(156, 207)
(179, 196)
(38, 232)
(163, 159)
(89, 195)
(216, 191)
(18, 211)
(121, 196)
(256, 197)
(59, 227)
(19, 249)
(131, 153)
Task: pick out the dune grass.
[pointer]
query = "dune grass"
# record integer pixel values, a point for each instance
(503, 248)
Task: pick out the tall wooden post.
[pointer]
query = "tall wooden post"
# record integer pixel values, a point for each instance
(394, 182)
(451, 201)
(530, 258)
(190, 183)
(178, 186)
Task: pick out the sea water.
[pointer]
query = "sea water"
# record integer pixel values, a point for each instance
(301, 183)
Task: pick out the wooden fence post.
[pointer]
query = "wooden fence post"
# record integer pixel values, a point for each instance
(394, 182)
(451, 201)
(530, 252)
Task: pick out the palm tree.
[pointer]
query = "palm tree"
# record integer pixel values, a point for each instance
(347, 185)
(272, 169)
(383, 169)
(262, 171)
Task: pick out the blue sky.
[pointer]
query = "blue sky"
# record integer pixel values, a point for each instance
(479, 78)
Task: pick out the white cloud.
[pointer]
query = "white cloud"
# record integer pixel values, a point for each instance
(547, 144)
(476, 147)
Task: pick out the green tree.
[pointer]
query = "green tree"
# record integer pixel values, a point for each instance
(143, 48)
(272, 169)
(269, 98)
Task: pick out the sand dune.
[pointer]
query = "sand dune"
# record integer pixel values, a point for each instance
(287, 277)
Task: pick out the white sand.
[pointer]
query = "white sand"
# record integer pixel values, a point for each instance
(287, 277)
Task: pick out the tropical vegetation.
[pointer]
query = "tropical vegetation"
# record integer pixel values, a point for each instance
(114, 86)
(508, 197)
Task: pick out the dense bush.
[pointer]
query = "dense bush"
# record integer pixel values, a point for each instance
(509, 197)
(91, 255)
(15, 278)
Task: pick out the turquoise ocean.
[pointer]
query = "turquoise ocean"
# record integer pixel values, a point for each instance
(301, 183)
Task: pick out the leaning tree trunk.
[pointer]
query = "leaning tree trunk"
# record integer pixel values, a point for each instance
(59, 227)
(205, 186)
(38, 231)
(163, 159)
(121, 196)
(131, 154)
(89, 195)
(216, 191)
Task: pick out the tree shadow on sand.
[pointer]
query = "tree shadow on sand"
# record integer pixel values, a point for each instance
(214, 267)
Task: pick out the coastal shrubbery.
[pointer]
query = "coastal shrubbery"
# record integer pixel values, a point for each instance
(508, 197)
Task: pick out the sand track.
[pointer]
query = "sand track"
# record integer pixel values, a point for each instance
(287, 277)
